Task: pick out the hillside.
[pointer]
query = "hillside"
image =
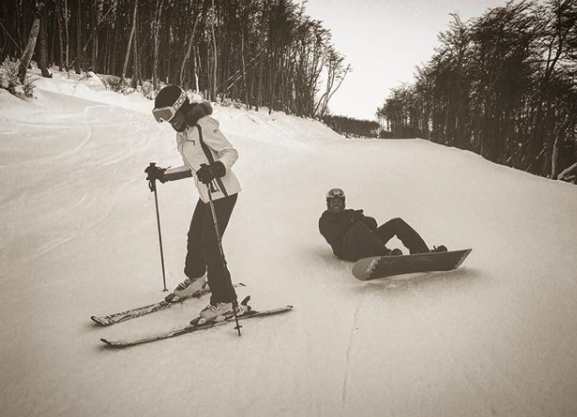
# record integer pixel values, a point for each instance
(79, 237)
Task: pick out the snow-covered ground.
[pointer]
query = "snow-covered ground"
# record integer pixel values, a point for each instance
(498, 337)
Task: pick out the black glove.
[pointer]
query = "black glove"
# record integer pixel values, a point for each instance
(155, 173)
(207, 173)
(357, 216)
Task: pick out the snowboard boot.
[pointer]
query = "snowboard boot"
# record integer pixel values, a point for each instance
(186, 289)
(440, 248)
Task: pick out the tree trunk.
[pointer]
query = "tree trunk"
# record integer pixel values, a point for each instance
(135, 57)
(168, 61)
(188, 50)
(67, 32)
(196, 69)
(25, 20)
(132, 30)
(96, 28)
(568, 173)
(51, 29)
(215, 55)
(59, 19)
(115, 46)
(261, 68)
(555, 151)
(245, 81)
(156, 42)
(94, 48)
(30, 46)
(78, 66)
(42, 48)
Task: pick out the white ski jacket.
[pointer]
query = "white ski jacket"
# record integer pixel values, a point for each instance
(193, 156)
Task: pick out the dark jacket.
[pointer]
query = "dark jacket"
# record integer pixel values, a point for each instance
(334, 227)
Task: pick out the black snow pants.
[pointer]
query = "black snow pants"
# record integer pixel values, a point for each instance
(360, 242)
(203, 254)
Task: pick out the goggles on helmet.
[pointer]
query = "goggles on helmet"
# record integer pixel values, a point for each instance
(165, 114)
(336, 193)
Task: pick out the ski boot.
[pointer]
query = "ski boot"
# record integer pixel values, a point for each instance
(186, 289)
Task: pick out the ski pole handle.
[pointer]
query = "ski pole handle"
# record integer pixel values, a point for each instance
(151, 179)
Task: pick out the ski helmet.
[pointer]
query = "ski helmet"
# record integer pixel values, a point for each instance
(168, 101)
(335, 193)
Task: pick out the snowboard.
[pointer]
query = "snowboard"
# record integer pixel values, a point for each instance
(386, 266)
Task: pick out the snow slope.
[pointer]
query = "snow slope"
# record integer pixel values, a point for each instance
(78, 237)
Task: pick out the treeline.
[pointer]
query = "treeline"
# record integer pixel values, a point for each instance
(259, 52)
(352, 127)
(502, 85)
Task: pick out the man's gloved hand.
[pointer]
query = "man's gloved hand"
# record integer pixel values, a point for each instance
(357, 216)
(155, 173)
(207, 173)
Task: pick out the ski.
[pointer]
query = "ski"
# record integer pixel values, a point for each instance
(148, 309)
(196, 325)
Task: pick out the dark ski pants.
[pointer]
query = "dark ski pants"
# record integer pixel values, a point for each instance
(362, 242)
(203, 254)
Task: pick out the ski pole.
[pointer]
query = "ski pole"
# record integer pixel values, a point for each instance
(152, 186)
(219, 241)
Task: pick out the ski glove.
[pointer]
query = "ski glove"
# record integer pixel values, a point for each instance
(155, 173)
(207, 173)
(357, 216)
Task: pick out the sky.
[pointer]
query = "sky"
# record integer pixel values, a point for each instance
(384, 41)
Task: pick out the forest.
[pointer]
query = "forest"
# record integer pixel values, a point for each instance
(258, 52)
(351, 127)
(502, 85)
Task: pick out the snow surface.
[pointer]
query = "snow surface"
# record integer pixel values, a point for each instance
(497, 337)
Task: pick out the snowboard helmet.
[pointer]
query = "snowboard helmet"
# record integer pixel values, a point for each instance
(335, 193)
(168, 101)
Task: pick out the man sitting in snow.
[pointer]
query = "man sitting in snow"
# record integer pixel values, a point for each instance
(353, 236)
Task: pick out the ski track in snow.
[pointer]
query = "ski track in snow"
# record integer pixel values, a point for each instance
(79, 237)
(349, 347)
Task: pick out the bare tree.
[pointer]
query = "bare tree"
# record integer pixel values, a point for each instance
(336, 73)
(189, 50)
(59, 20)
(78, 63)
(130, 40)
(135, 55)
(27, 54)
(42, 45)
(254, 51)
(156, 25)
(501, 85)
(67, 33)
(214, 86)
